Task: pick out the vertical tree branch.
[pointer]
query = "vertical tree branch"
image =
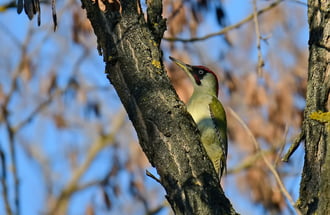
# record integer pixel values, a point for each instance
(261, 62)
(5, 194)
(11, 135)
(315, 182)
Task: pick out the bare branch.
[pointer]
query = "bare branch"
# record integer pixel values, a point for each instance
(294, 146)
(261, 61)
(72, 186)
(226, 29)
(269, 165)
(249, 161)
(11, 131)
(278, 157)
(153, 177)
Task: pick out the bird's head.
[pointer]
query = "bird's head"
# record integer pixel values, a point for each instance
(204, 80)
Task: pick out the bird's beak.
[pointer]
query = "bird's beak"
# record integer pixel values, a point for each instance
(186, 67)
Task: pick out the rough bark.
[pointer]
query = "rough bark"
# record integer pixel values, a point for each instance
(130, 46)
(315, 183)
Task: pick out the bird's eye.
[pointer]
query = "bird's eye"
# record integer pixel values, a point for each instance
(201, 72)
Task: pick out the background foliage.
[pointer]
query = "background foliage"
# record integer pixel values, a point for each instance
(65, 139)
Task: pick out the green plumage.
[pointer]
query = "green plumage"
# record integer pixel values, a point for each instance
(208, 113)
(210, 117)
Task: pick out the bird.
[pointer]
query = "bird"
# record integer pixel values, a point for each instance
(208, 113)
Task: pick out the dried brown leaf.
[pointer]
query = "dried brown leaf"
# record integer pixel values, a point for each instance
(89, 210)
(59, 121)
(26, 69)
(49, 84)
(177, 22)
(264, 191)
(2, 95)
(117, 190)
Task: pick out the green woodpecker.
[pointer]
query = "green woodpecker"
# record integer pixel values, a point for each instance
(208, 113)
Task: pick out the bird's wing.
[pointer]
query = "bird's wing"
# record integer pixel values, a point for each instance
(219, 119)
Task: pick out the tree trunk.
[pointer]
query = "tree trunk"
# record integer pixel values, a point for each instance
(131, 50)
(315, 183)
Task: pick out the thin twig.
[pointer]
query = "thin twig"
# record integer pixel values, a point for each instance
(269, 165)
(37, 110)
(11, 35)
(278, 157)
(249, 161)
(12, 149)
(299, 2)
(226, 29)
(155, 211)
(88, 185)
(152, 176)
(6, 115)
(294, 146)
(10, 130)
(94, 150)
(4, 182)
(175, 12)
(261, 61)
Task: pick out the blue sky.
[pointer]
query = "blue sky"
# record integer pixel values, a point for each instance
(32, 187)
